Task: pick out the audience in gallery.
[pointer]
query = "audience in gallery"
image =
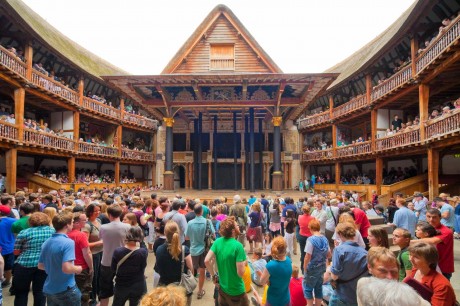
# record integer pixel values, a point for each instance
(137, 144)
(86, 176)
(19, 53)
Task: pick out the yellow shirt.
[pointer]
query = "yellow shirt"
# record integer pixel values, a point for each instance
(247, 279)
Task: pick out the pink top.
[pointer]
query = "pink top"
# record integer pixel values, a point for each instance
(221, 217)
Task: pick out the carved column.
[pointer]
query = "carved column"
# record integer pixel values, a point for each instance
(277, 176)
(169, 174)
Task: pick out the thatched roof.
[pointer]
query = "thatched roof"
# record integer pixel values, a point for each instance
(60, 44)
(359, 60)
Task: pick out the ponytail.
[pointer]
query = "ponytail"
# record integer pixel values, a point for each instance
(174, 247)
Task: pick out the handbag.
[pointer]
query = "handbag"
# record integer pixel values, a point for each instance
(208, 237)
(187, 280)
(251, 233)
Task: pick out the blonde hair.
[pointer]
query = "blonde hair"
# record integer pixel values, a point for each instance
(256, 207)
(165, 296)
(295, 271)
(278, 247)
(131, 218)
(347, 218)
(50, 212)
(172, 239)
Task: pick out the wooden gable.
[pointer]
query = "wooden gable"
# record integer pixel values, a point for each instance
(221, 44)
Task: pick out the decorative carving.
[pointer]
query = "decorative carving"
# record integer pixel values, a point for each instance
(169, 121)
(277, 121)
(260, 95)
(184, 96)
(221, 94)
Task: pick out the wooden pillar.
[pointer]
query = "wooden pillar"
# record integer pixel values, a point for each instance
(209, 175)
(242, 176)
(331, 106)
(187, 141)
(76, 128)
(424, 99)
(19, 101)
(81, 90)
(11, 157)
(368, 88)
(71, 168)
(28, 58)
(413, 51)
(122, 108)
(334, 140)
(373, 128)
(117, 173)
(433, 173)
(119, 132)
(337, 175)
(378, 173)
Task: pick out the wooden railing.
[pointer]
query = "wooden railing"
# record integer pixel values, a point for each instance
(186, 156)
(354, 149)
(443, 125)
(12, 62)
(350, 106)
(400, 139)
(8, 131)
(318, 155)
(137, 155)
(315, 119)
(140, 120)
(45, 82)
(91, 148)
(438, 46)
(43, 139)
(100, 107)
(393, 82)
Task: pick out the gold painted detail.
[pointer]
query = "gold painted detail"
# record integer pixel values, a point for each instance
(277, 121)
(169, 121)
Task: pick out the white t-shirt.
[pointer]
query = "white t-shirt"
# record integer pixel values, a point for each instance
(358, 239)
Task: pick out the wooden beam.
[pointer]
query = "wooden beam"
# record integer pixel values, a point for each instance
(413, 52)
(11, 157)
(279, 93)
(19, 101)
(433, 172)
(71, 169)
(165, 100)
(117, 173)
(378, 174)
(424, 99)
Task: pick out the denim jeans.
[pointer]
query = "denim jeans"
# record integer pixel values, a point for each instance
(336, 301)
(302, 243)
(313, 282)
(23, 276)
(70, 297)
(96, 273)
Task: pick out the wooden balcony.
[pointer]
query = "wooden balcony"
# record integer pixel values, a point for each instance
(184, 157)
(318, 155)
(351, 106)
(95, 149)
(101, 108)
(316, 119)
(397, 80)
(12, 62)
(8, 131)
(140, 120)
(136, 155)
(443, 126)
(359, 148)
(432, 52)
(398, 140)
(35, 138)
(47, 84)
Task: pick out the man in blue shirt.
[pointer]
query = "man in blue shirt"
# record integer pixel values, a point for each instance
(56, 258)
(7, 242)
(196, 233)
(420, 203)
(447, 213)
(404, 217)
(252, 199)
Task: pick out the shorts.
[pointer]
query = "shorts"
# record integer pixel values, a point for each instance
(106, 282)
(198, 261)
(9, 261)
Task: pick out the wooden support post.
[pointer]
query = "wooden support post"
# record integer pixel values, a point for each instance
(76, 129)
(71, 168)
(334, 140)
(19, 101)
(187, 141)
(122, 108)
(11, 157)
(117, 173)
(81, 90)
(119, 134)
(209, 175)
(242, 176)
(413, 52)
(378, 173)
(28, 58)
(373, 128)
(368, 88)
(337, 175)
(331, 106)
(433, 173)
(424, 99)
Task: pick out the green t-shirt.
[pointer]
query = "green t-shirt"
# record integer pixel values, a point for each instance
(20, 225)
(205, 211)
(404, 263)
(228, 252)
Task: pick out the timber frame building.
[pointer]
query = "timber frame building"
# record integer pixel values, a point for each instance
(231, 119)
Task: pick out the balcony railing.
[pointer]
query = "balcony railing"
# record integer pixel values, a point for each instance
(137, 155)
(352, 105)
(8, 131)
(318, 155)
(91, 148)
(50, 141)
(443, 125)
(400, 139)
(354, 149)
(393, 82)
(100, 108)
(315, 119)
(438, 46)
(48, 84)
(140, 120)
(12, 62)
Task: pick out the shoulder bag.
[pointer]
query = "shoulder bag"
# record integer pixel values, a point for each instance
(121, 262)
(208, 237)
(187, 280)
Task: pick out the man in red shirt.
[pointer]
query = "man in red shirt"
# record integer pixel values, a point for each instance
(363, 223)
(83, 257)
(444, 242)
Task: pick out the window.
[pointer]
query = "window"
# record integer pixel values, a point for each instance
(222, 57)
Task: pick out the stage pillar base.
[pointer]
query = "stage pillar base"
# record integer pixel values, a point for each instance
(277, 181)
(168, 180)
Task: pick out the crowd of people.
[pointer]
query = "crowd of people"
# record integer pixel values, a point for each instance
(98, 236)
(86, 176)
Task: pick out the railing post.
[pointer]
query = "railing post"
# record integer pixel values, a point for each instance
(19, 100)
(424, 99)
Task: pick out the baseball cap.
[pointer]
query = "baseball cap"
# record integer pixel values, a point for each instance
(5, 210)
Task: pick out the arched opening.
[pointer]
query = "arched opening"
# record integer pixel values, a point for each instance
(179, 176)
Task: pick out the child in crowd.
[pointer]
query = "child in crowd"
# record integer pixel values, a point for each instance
(289, 231)
(296, 289)
(247, 278)
(268, 246)
(215, 222)
(258, 266)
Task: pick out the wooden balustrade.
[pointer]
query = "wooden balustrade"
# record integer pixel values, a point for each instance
(12, 62)
(8, 131)
(315, 119)
(396, 80)
(100, 108)
(449, 36)
(137, 155)
(48, 140)
(350, 106)
(91, 148)
(400, 139)
(48, 84)
(443, 125)
(140, 120)
(354, 149)
(318, 155)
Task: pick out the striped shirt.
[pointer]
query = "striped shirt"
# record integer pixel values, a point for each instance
(29, 242)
